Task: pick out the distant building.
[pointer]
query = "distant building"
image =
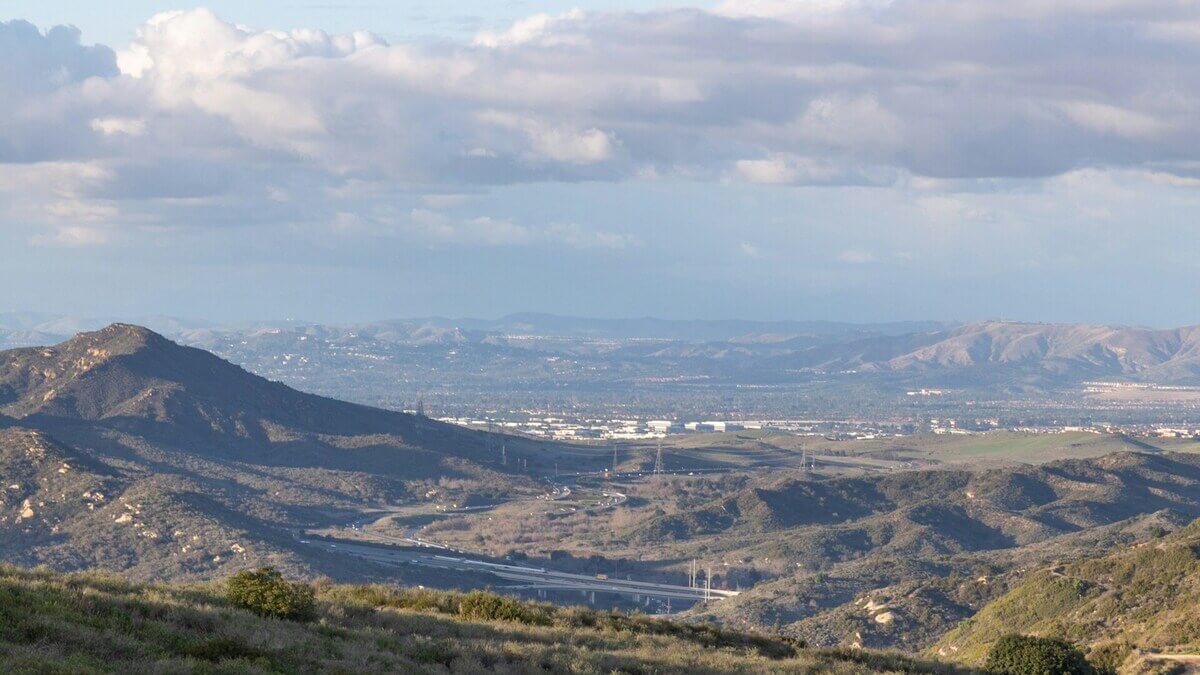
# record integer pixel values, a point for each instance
(660, 426)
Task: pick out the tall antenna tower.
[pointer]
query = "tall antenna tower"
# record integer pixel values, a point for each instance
(503, 454)
(614, 447)
(708, 584)
(658, 460)
(421, 406)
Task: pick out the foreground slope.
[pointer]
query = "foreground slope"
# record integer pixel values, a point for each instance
(92, 623)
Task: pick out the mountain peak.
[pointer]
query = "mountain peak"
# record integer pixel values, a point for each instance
(118, 338)
(130, 373)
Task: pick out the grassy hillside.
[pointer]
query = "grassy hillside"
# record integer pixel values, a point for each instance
(1145, 597)
(84, 623)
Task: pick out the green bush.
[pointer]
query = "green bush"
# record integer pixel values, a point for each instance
(1107, 658)
(265, 592)
(480, 606)
(1025, 655)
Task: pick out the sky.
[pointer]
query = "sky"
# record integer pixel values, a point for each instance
(853, 160)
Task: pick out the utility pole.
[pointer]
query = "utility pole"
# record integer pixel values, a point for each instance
(614, 447)
(658, 460)
(708, 584)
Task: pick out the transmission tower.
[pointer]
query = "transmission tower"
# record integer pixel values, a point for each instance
(658, 460)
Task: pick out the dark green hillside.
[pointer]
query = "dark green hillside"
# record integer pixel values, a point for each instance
(89, 623)
(1140, 598)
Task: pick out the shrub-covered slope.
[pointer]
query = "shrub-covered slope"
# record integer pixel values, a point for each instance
(896, 560)
(1145, 597)
(87, 623)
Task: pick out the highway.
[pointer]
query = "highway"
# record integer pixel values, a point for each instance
(527, 577)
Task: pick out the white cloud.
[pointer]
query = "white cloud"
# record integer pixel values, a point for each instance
(74, 236)
(431, 227)
(579, 237)
(559, 143)
(750, 250)
(781, 169)
(536, 28)
(949, 210)
(796, 9)
(1110, 119)
(785, 92)
(111, 126)
(856, 256)
(850, 122)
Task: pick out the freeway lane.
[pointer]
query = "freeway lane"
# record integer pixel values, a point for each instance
(530, 577)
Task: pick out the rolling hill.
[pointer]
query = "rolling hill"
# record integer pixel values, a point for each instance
(896, 560)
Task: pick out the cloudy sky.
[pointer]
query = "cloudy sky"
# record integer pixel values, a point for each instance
(828, 159)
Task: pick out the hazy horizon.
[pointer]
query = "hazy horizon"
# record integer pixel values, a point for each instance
(100, 319)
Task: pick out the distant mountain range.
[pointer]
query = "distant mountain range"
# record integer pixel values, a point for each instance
(537, 360)
(682, 330)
